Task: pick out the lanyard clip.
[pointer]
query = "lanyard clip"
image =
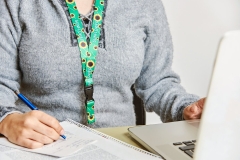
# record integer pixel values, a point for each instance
(89, 93)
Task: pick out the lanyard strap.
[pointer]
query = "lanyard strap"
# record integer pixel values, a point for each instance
(88, 52)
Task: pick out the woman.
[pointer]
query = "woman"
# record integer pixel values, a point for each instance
(44, 55)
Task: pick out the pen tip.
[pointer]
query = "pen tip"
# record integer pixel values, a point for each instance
(64, 137)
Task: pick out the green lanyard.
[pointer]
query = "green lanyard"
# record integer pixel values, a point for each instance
(88, 53)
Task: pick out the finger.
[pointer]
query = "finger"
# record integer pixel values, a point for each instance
(197, 112)
(192, 112)
(33, 135)
(38, 137)
(193, 109)
(46, 131)
(201, 102)
(48, 120)
(28, 143)
(35, 125)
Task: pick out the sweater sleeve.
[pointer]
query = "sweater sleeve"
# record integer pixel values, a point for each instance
(10, 32)
(158, 85)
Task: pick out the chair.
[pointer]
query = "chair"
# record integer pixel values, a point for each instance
(139, 108)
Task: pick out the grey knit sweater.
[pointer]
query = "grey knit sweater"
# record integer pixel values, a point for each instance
(40, 58)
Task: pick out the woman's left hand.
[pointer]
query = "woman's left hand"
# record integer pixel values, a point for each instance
(194, 111)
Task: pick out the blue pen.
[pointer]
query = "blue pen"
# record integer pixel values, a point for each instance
(30, 105)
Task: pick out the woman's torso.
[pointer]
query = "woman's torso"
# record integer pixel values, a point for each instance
(51, 66)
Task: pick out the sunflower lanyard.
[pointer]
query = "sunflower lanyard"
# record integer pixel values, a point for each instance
(88, 53)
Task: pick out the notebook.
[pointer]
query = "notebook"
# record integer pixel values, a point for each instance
(96, 146)
(216, 135)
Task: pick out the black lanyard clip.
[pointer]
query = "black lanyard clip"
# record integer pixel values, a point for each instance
(89, 93)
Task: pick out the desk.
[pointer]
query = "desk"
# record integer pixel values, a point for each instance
(122, 134)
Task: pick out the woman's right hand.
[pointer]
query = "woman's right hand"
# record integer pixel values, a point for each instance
(32, 129)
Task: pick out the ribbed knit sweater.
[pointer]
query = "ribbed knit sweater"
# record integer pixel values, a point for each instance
(40, 58)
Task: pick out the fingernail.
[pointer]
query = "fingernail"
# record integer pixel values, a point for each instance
(62, 132)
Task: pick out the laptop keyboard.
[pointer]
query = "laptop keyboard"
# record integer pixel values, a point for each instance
(186, 146)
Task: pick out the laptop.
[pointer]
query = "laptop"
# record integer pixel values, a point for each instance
(217, 135)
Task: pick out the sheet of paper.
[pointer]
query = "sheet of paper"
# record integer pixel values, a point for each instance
(105, 148)
(59, 148)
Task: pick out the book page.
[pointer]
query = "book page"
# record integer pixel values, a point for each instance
(7, 153)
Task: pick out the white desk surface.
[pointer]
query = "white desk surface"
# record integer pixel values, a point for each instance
(122, 134)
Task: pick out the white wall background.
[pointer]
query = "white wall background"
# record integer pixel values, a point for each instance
(196, 27)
